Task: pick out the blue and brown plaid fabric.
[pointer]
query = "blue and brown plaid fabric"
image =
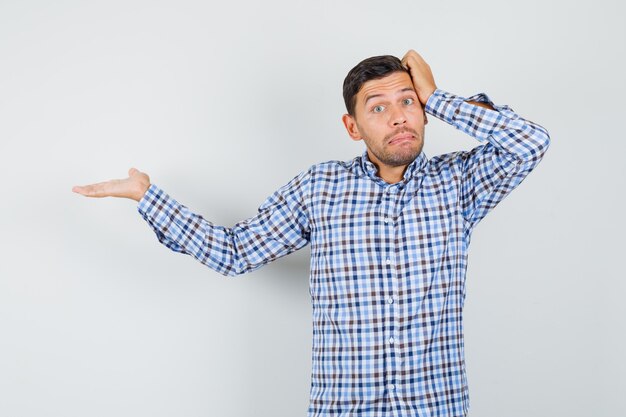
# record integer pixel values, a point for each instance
(388, 261)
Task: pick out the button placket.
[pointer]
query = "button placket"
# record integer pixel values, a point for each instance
(388, 208)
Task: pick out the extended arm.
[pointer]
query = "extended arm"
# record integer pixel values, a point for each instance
(280, 227)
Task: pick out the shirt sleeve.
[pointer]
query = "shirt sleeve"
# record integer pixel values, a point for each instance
(280, 227)
(512, 148)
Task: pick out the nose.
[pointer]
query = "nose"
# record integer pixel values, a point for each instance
(397, 117)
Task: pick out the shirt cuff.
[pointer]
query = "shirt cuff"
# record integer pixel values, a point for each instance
(155, 204)
(445, 105)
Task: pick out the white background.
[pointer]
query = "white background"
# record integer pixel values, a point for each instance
(221, 104)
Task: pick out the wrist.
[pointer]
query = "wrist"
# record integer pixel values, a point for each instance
(141, 192)
(426, 95)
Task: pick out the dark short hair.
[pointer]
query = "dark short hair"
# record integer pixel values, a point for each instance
(372, 68)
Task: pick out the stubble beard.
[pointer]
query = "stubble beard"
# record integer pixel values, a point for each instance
(404, 155)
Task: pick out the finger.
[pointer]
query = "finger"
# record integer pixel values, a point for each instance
(83, 190)
(410, 60)
(404, 61)
(92, 190)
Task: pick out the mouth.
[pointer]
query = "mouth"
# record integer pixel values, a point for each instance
(401, 138)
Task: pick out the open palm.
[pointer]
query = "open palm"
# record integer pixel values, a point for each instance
(133, 187)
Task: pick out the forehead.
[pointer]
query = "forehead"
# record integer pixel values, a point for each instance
(386, 86)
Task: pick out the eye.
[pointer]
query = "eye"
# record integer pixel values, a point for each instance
(378, 109)
(408, 101)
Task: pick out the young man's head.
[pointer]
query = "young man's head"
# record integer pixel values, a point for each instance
(384, 111)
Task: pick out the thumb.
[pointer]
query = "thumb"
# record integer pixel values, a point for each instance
(132, 171)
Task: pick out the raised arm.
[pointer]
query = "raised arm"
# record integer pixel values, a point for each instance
(513, 146)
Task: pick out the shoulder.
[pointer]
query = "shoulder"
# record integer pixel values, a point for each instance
(322, 172)
(332, 168)
(453, 159)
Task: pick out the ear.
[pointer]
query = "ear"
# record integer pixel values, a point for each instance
(425, 118)
(351, 127)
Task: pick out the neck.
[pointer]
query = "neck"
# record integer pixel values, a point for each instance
(391, 175)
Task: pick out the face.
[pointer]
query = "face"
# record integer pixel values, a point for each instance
(390, 119)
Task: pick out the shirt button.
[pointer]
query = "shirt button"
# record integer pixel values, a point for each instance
(386, 219)
(388, 261)
(391, 387)
(390, 300)
(391, 340)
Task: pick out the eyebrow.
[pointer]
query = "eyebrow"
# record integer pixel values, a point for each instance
(380, 95)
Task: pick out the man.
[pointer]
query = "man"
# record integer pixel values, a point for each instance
(389, 234)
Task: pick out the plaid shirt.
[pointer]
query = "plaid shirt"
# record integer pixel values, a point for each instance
(388, 261)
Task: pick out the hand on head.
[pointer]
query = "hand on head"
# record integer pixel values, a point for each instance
(133, 187)
(422, 76)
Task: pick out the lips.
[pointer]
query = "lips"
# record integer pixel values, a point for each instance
(402, 137)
